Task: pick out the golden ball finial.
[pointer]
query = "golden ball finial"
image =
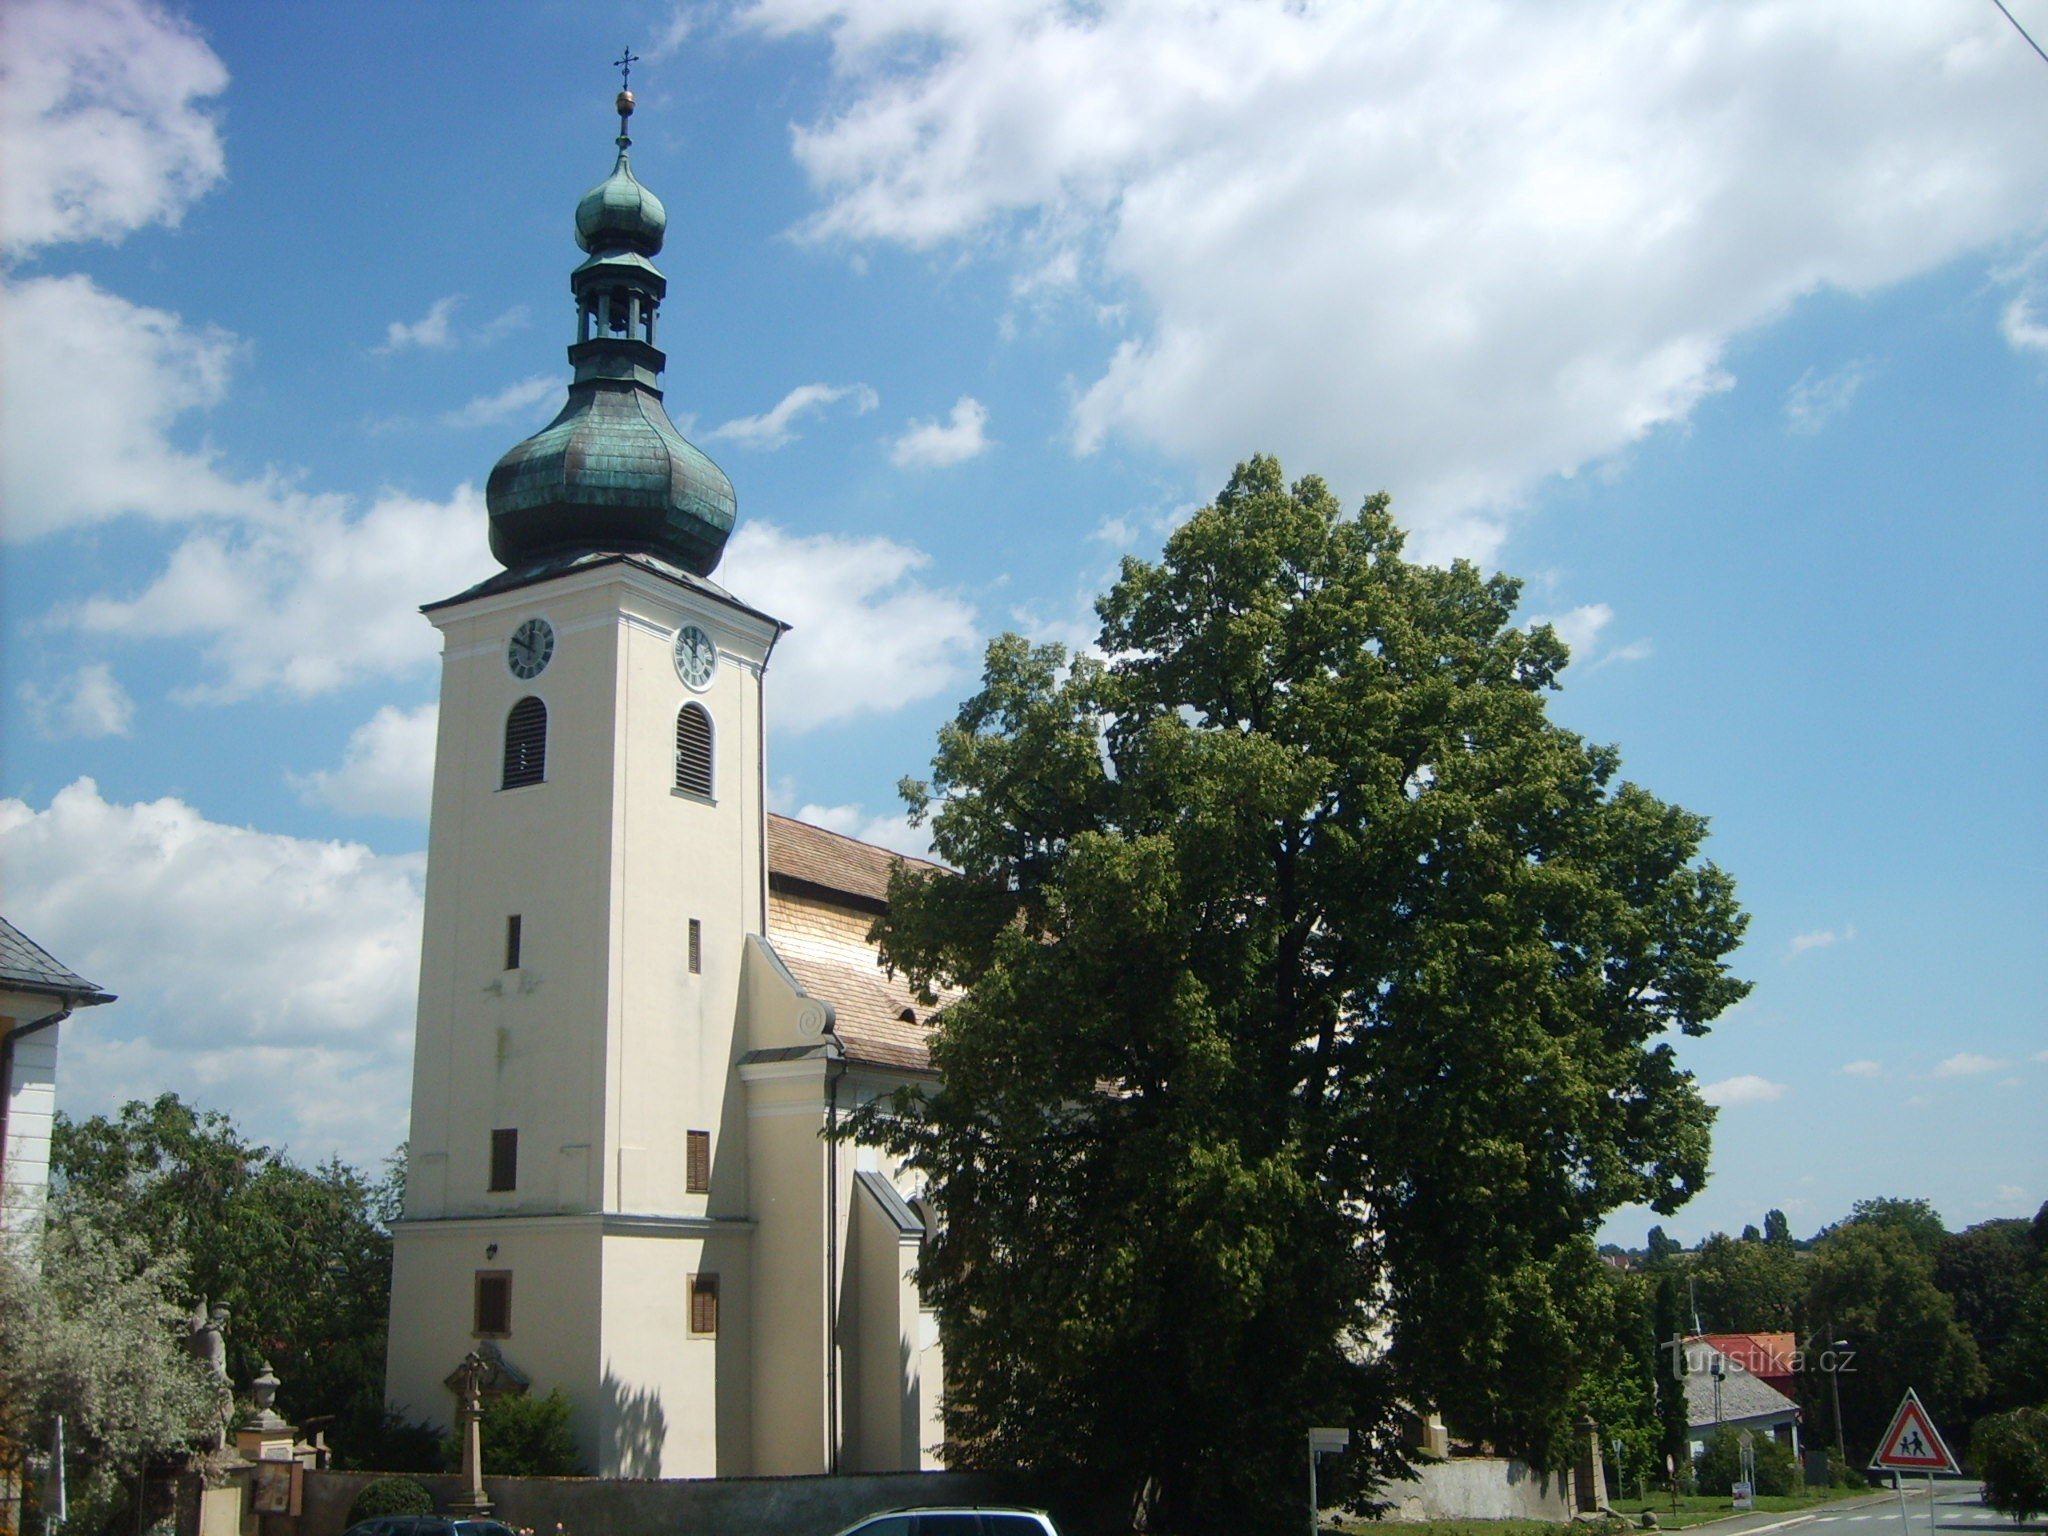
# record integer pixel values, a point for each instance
(625, 103)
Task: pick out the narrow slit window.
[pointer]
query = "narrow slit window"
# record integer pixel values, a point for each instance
(697, 1177)
(696, 947)
(693, 750)
(493, 1303)
(504, 1161)
(704, 1304)
(526, 743)
(512, 926)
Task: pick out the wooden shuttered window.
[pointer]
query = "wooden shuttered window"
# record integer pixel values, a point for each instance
(526, 743)
(493, 1303)
(704, 1304)
(504, 1160)
(693, 750)
(697, 1175)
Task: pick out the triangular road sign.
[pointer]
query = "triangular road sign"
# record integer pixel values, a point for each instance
(1912, 1444)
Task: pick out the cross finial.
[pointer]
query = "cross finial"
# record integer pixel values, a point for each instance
(624, 65)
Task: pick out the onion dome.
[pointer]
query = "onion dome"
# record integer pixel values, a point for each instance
(611, 472)
(618, 212)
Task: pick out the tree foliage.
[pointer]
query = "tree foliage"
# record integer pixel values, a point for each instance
(2011, 1455)
(1720, 1465)
(90, 1329)
(1746, 1285)
(1872, 1282)
(300, 1256)
(1316, 977)
(525, 1436)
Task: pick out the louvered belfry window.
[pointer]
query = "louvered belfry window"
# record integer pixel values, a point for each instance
(526, 743)
(693, 750)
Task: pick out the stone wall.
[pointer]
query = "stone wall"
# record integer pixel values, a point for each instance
(736, 1506)
(1479, 1488)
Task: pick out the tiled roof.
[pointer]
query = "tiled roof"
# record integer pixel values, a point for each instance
(1743, 1397)
(1768, 1355)
(867, 1005)
(26, 966)
(829, 861)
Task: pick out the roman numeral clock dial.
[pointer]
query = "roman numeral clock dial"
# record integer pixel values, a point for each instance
(696, 658)
(532, 646)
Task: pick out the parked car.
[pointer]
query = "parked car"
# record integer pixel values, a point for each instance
(958, 1520)
(428, 1525)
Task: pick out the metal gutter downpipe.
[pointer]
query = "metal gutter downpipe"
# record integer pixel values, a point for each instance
(834, 1071)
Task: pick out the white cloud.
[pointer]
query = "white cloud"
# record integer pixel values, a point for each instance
(83, 366)
(523, 399)
(2023, 329)
(1746, 1089)
(434, 330)
(775, 427)
(1818, 399)
(934, 444)
(1448, 250)
(892, 832)
(1968, 1064)
(102, 119)
(1819, 938)
(1579, 629)
(868, 636)
(273, 974)
(2009, 1194)
(1863, 1068)
(90, 703)
(309, 600)
(2041, 1056)
(387, 769)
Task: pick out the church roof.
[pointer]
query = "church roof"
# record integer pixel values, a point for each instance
(877, 1019)
(800, 854)
(26, 966)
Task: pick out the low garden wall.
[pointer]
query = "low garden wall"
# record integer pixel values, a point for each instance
(1479, 1488)
(726, 1506)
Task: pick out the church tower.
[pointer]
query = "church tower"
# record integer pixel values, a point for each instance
(617, 1184)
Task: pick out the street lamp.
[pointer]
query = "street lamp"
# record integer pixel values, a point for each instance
(1835, 1390)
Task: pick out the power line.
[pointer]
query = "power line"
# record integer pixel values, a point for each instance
(2020, 29)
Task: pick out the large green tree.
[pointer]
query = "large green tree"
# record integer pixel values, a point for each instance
(1746, 1285)
(91, 1329)
(1872, 1282)
(301, 1257)
(1319, 983)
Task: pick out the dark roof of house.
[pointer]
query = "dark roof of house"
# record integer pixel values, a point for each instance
(892, 1204)
(1744, 1398)
(28, 967)
(801, 855)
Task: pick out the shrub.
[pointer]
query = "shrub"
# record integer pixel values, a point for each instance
(1721, 1464)
(390, 1496)
(2011, 1452)
(526, 1436)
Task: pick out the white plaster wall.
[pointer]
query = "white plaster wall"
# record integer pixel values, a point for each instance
(786, 1107)
(675, 1404)
(31, 1106)
(556, 1307)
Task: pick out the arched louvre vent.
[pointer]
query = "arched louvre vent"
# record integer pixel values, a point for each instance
(693, 750)
(526, 744)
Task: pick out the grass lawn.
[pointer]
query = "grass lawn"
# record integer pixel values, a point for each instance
(1693, 1509)
(1699, 1508)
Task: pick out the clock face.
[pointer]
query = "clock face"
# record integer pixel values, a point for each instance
(533, 643)
(696, 657)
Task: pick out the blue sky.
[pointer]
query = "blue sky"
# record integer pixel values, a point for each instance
(1726, 327)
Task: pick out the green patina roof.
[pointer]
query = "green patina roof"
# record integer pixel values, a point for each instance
(618, 211)
(611, 470)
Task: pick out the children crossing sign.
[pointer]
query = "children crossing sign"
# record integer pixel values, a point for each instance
(1912, 1444)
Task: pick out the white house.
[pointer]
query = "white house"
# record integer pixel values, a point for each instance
(38, 993)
